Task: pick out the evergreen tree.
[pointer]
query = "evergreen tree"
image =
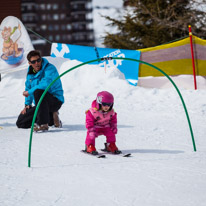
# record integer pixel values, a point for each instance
(153, 22)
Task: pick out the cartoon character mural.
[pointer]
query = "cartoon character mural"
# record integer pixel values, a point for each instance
(12, 53)
(15, 44)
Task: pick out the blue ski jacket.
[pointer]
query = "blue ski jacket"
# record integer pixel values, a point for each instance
(41, 80)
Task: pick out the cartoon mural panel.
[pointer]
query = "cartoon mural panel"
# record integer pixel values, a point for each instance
(14, 43)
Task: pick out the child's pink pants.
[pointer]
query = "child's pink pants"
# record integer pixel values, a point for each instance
(110, 136)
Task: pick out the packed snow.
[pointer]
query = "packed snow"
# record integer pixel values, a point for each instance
(164, 169)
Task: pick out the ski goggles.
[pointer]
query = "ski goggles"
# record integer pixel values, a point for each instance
(34, 61)
(106, 104)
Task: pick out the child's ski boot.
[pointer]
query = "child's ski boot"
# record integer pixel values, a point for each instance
(111, 147)
(91, 149)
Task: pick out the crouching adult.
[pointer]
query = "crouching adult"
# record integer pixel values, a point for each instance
(40, 74)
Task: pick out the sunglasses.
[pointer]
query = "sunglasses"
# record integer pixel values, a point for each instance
(106, 104)
(34, 61)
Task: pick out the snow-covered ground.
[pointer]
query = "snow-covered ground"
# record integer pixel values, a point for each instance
(152, 125)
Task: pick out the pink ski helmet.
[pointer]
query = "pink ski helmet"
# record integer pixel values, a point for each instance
(105, 98)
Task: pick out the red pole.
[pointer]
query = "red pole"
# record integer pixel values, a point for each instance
(192, 53)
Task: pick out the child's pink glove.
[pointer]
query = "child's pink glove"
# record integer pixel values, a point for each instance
(92, 133)
(114, 130)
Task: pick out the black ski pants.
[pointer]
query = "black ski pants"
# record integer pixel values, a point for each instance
(48, 105)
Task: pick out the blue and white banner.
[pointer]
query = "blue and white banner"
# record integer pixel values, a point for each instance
(130, 69)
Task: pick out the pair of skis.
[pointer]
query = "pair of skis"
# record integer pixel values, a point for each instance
(103, 155)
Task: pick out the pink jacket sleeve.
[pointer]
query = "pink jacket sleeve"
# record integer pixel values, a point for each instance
(114, 120)
(90, 125)
(114, 123)
(89, 120)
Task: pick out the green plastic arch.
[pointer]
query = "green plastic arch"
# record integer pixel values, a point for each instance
(103, 59)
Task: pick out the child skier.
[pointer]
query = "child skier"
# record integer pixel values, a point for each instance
(101, 120)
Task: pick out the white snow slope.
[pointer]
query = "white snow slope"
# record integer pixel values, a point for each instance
(164, 170)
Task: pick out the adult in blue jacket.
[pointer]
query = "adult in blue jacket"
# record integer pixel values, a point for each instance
(40, 74)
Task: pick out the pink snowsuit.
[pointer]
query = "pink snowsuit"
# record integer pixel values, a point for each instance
(100, 123)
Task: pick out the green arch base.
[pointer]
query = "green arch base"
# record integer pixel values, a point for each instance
(103, 59)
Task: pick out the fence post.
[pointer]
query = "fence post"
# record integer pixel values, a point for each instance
(192, 53)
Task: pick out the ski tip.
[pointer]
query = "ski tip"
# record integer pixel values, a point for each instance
(127, 155)
(102, 156)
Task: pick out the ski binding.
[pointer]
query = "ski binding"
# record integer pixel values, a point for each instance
(96, 154)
